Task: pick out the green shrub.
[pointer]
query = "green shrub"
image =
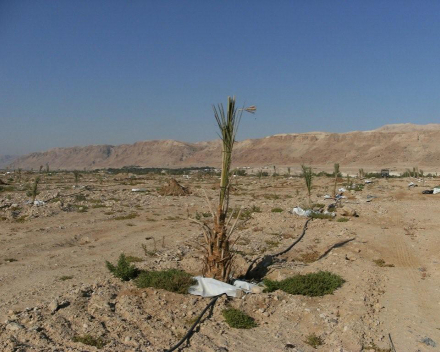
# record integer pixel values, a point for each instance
(277, 210)
(381, 263)
(80, 197)
(237, 319)
(127, 217)
(321, 216)
(90, 341)
(342, 220)
(172, 280)
(314, 340)
(313, 284)
(123, 269)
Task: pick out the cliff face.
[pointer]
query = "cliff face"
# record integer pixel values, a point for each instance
(400, 146)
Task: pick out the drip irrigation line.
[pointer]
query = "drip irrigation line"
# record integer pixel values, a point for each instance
(282, 252)
(191, 329)
(214, 300)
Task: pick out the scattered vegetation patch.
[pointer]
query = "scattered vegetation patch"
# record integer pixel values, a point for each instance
(342, 219)
(11, 260)
(321, 216)
(309, 257)
(172, 280)
(237, 319)
(66, 277)
(123, 269)
(127, 217)
(90, 341)
(133, 259)
(277, 210)
(271, 196)
(381, 263)
(80, 197)
(314, 340)
(313, 284)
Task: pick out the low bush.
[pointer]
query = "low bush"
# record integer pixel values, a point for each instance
(90, 341)
(277, 210)
(237, 319)
(123, 269)
(313, 284)
(172, 280)
(342, 220)
(321, 216)
(127, 217)
(381, 263)
(314, 340)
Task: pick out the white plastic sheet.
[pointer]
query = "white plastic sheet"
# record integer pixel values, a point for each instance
(139, 190)
(301, 212)
(207, 287)
(436, 190)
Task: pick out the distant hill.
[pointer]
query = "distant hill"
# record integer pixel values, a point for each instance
(399, 146)
(5, 160)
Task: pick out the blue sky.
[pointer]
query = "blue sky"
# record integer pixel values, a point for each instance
(112, 72)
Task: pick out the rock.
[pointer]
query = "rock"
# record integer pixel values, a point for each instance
(428, 342)
(53, 306)
(84, 240)
(13, 326)
(257, 289)
(347, 211)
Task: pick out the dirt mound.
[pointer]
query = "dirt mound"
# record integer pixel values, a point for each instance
(173, 188)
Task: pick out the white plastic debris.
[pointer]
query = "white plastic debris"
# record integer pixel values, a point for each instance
(327, 197)
(139, 190)
(342, 190)
(38, 203)
(412, 184)
(368, 181)
(207, 287)
(436, 190)
(301, 212)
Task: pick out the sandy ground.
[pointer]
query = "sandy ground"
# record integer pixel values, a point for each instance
(57, 253)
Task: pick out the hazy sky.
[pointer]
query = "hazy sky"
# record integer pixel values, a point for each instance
(111, 72)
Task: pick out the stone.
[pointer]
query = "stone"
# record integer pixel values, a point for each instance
(13, 326)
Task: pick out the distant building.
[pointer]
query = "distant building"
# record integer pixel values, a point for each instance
(385, 173)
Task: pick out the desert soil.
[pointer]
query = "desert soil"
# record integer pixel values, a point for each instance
(54, 284)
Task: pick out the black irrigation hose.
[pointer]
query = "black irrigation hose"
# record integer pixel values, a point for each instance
(191, 329)
(282, 252)
(211, 304)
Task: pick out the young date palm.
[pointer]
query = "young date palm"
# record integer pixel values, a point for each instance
(308, 176)
(218, 258)
(34, 190)
(336, 173)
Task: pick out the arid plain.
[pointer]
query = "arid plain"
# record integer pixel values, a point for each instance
(55, 285)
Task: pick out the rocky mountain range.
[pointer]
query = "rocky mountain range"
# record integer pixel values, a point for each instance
(398, 146)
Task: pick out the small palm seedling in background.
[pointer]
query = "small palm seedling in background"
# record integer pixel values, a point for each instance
(41, 168)
(307, 173)
(218, 258)
(336, 173)
(361, 173)
(34, 190)
(123, 269)
(77, 175)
